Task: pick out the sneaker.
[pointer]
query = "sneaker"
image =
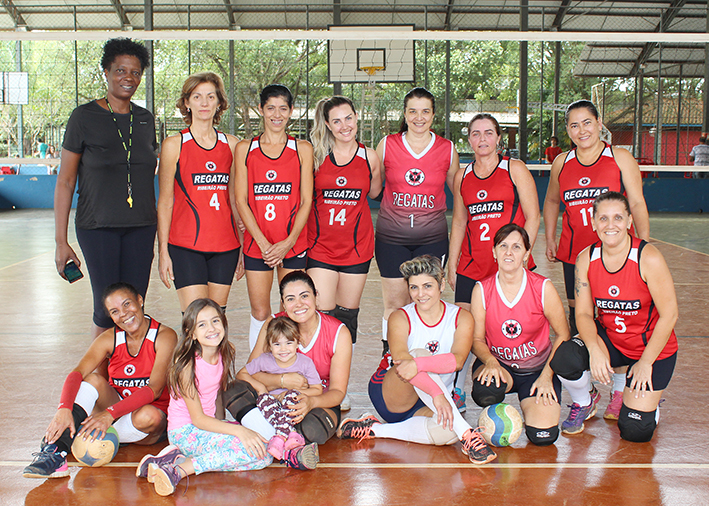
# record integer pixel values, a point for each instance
(276, 446)
(459, 399)
(613, 409)
(360, 428)
(476, 448)
(294, 441)
(167, 476)
(49, 462)
(168, 455)
(578, 414)
(346, 403)
(304, 458)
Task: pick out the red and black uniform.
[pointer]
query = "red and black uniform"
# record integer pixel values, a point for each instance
(625, 307)
(413, 209)
(491, 203)
(517, 331)
(201, 215)
(274, 196)
(340, 230)
(579, 185)
(128, 373)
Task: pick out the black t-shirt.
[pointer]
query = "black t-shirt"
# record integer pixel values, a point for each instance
(103, 172)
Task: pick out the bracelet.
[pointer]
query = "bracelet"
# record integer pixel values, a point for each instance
(282, 381)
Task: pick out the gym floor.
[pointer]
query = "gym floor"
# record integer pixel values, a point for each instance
(44, 330)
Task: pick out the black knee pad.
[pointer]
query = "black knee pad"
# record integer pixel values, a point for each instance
(542, 437)
(317, 426)
(239, 399)
(570, 359)
(487, 395)
(349, 318)
(636, 426)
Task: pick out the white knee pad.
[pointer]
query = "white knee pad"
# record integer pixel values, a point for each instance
(420, 352)
(438, 435)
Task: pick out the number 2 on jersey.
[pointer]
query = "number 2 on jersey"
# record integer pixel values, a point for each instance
(341, 217)
(484, 230)
(214, 201)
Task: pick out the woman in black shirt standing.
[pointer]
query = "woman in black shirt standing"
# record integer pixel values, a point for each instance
(109, 146)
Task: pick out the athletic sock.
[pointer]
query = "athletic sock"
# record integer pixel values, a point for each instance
(255, 421)
(254, 330)
(412, 429)
(86, 397)
(127, 433)
(579, 389)
(618, 382)
(65, 440)
(460, 426)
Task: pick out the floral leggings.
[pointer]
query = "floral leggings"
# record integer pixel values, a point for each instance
(211, 451)
(276, 412)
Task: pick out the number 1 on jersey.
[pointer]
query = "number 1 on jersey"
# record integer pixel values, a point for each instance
(411, 217)
(584, 211)
(341, 217)
(214, 201)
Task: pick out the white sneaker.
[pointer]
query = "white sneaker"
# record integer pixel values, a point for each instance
(346, 403)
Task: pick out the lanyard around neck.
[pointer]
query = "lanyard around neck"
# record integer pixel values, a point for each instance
(127, 147)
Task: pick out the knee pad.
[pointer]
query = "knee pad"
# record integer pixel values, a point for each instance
(239, 399)
(570, 359)
(329, 312)
(438, 435)
(349, 318)
(487, 395)
(317, 426)
(542, 437)
(636, 426)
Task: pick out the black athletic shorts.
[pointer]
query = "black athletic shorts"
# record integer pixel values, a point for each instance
(569, 270)
(522, 382)
(257, 264)
(362, 268)
(192, 267)
(391, 256)
(464, 288)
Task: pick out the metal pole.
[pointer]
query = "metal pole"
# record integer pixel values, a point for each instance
(639, 115)
(448, 89)
(149, 76)
(541, 104)
(658, 112)
(20, 122)
(705, 95)
(425, 49)
(307, 73)
(337, 20)
(189, 42)
(557, 82)
(679, 113)
(232, 85)
(76, 66)
(523, 80)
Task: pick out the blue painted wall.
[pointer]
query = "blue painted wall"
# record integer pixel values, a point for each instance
(662, 195)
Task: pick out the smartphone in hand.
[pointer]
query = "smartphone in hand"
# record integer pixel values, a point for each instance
(72, 272)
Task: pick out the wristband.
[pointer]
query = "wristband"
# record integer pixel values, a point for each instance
(70, 389)
(282, 381)
(424, 382)
(137, 399)
(440, 364)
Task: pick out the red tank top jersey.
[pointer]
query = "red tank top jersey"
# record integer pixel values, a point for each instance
(625, 307)
(579, 185)
(201, 214)
(340, 230)
(517, 332)
(413, 209)
(128, 373)
(491, 203)
(274, 196)
(322, 346)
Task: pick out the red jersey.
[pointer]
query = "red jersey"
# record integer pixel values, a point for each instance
(579, 185)
(517, 332)
(340, 230)
(322, 346)
(491, 203)
(201, 214)
(128, 373)
(274, 196)
(413, 209)
(625, 307)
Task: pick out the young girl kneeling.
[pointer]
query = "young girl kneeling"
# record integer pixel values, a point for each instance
(203, 365)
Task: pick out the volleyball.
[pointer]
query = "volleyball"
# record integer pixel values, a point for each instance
(97, 453)
(502, 423)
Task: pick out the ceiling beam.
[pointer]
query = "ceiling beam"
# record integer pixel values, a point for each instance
(230, 13)
(14, 13)
(120, 11)
(559, 18)
(667, 17)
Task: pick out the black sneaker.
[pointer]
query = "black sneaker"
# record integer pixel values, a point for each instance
(359, 428)
(49, 462)
(475, 447)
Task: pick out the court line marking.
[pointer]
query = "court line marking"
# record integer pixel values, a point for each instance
(678, 246)
(433, 466)
(73, 245)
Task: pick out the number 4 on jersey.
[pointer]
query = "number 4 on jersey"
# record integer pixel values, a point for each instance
(214, 201)
(341, 217)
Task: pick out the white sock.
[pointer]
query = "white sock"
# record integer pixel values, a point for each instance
(618, 382)
(255, 421)
(254, 330)
(86, 397)
(463, 373)
(412, 429)
(460, 426)
(127, 433)
(579, 389)
(385, 328)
